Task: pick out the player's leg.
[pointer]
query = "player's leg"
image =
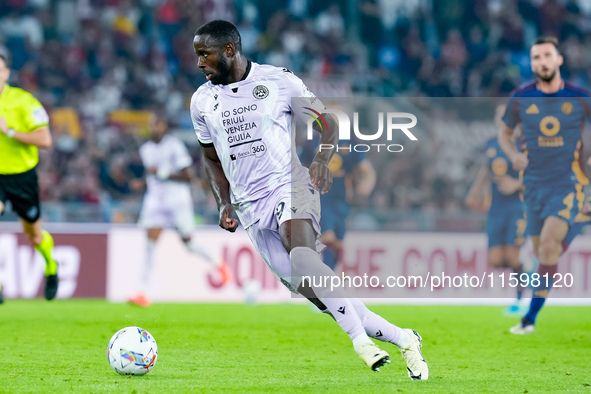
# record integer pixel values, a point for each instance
(306, 263)
(42, 241)
(549, 250)
(515, 238)
(379, 328)
(183, 219)
(512, 257)
(496, 232)
(573, 231)
(553, 233)
(514, 251)
(153, 235)
(1, 211)
(299, 239)
(199, 250)
(309, 276)
(329, 255)
(407, 340)
(23, 191)
(142, 298)
(298, 234)
(496, 256)
(535, 239)
(153, 218)
(534, 200)
(497, 228)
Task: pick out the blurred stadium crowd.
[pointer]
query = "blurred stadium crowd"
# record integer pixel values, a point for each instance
(99, 65)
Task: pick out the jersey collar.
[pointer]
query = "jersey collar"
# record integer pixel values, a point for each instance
(247, 72)
(234, 86)
(562, 85)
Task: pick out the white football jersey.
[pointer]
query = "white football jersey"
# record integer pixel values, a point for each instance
(249, 124)
(170, 155)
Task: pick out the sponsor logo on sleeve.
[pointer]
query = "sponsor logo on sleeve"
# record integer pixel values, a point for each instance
(40, 115)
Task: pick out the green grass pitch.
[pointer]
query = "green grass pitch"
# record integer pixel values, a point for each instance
(60, 346)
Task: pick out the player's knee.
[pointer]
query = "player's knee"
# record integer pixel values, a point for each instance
(496, 262)
(512, 257)
(306, 264)
(514, 264)
(301, 256)
(1, 207)
(495, 258)
(154, 233)
(34, 238)
(549, 248)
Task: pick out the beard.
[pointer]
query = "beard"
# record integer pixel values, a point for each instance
(222, 75)
(548, 78)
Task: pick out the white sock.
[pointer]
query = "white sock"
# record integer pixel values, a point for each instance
(306, 262)
(379, 328)
(346, 317)
(360, 340)
(148, 266)
(194, 248)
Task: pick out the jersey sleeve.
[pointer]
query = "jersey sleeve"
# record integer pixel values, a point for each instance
(34, 115)
(302, 99)
(511, 117)
(183, 158)
(144, 154)
(199, 124)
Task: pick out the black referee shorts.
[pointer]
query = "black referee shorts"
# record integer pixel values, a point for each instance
(22, 190)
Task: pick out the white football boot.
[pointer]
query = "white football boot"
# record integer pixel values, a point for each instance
(415, 363)
(373, 356)
(521, 329)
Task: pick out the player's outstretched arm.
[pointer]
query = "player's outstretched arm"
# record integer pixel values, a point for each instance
(40, 137)
(220, 188)
(519, 159)
(319, 173)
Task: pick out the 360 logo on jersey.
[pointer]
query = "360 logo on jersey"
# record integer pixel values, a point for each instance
(257, 149)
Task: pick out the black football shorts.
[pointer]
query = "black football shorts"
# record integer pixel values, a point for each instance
(22, 190)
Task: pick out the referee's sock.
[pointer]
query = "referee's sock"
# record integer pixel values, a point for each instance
(46, 249)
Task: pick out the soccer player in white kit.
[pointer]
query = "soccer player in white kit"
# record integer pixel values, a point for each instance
(167, 202)
(242, 118)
